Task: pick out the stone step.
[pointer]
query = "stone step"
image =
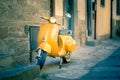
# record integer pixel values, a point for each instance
(93, 42)
(28, 72)
(6, 61)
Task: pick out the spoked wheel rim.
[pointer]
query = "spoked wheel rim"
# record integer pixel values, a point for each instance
(67, 57)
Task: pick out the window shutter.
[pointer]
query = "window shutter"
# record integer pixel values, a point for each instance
(118, 7)
(102, 3)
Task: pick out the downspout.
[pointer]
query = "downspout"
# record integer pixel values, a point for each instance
(95, 20)
(111, 19)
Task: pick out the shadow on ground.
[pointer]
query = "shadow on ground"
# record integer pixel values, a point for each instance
(108, 69)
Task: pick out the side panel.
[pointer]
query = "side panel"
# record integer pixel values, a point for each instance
(66, 43)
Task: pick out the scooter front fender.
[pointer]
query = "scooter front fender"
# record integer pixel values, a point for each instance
(45, 46)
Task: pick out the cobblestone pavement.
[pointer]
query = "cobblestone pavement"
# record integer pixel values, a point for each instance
(108, 69)
(88, 63)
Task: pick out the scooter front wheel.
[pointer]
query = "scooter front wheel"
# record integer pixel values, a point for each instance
(67, 57)
(41, 58)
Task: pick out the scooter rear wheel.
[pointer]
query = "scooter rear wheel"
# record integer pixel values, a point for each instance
(67, 58)
(41, 58)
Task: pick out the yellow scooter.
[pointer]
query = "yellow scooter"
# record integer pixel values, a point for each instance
(55, 42)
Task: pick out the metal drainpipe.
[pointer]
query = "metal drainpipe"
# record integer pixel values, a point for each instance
(95, 19)
(111, 19)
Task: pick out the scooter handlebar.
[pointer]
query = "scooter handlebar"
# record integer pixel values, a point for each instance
(41, 17)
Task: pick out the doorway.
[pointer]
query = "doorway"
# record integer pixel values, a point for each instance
(68, 8)
(115, 23)
(91, 18)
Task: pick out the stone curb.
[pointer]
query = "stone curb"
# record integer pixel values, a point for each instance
(29, 72)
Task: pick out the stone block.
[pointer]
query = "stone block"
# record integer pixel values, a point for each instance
(93, 42)
(3, 46)
(12, 29)
(6, 61)
(17, 34)
(3, 33)
(22, 59)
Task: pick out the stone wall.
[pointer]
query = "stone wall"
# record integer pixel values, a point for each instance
(14, 15)
(81, 28)
(80, 33)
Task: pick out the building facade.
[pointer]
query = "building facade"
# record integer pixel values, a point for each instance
(98, 20)
(115, 19)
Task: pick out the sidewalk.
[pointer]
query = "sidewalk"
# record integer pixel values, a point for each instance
(84, 59)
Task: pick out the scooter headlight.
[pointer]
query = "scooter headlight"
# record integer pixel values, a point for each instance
(52, 19)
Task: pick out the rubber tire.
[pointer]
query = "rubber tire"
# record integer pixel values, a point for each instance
(42, 59)
(67, 58)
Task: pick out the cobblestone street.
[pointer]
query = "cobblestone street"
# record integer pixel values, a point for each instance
(108, 69)
(88, 63)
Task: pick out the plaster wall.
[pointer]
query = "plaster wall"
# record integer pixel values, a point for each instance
(103, 19)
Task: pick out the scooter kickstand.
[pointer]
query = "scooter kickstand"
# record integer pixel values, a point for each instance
(61, 62)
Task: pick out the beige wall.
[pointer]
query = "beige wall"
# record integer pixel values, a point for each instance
(81, 9)
(58, 7)
(103, 19)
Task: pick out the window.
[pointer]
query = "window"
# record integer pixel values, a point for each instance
(118, 7)
(102, 3)
(93, 6)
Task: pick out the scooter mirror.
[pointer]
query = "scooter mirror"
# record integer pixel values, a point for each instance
(39, 16)
(68, 15)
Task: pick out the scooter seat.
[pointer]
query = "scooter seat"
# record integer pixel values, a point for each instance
(65, 32)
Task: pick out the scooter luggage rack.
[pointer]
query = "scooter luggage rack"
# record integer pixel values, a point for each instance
(65, 32)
